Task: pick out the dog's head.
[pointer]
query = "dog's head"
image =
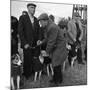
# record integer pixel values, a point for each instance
(16, 60)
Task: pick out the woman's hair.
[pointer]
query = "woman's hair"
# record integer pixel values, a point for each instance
(14, 37)
(14, 23)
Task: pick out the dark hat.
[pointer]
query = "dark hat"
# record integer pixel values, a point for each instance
(76, 14)
(31, 4)
(24, 13)
(51, 17)
(43, 16)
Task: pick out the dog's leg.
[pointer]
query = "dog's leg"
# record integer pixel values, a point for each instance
(40, 74)
(64, 66)
(35, 76)
(18, 82)
(72, 63)
(12, 84)
(51, 69)
(48, 70)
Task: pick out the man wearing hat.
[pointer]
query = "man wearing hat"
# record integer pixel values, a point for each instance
(75, 35)
(56, 46)
(29, 30)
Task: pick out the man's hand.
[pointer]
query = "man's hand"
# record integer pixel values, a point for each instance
(74, 40)
(39, 42)
(26, 46)
(47, 54)
(80, 39)
(68, 46)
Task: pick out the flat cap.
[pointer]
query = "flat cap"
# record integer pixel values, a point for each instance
(76, 14)
(31, 4)
(43, 16)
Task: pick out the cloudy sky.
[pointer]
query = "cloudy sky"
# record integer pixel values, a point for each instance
(58, 10)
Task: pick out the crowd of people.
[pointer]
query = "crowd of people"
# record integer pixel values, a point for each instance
(36, 34)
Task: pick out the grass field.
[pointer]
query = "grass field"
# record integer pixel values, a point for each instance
(71, 76)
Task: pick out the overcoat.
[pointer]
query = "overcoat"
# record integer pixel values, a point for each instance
(28, 32)
(56, 45)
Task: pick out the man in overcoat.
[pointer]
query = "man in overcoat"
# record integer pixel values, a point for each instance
(75, 35)
(56, 46)
(29, 30)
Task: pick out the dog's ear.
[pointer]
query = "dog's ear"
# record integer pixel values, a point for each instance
(13, 56)
(18, 56)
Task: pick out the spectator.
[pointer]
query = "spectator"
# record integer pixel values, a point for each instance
(52, 18)
(24, 13)
(14, 38)
(56, 46)
(29, 30)
(75, 34)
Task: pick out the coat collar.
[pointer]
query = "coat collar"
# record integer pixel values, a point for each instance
(33, 17)
(48, 25)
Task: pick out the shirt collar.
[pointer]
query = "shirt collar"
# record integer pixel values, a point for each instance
(31, 17)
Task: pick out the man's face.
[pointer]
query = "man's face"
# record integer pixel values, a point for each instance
(76, 18)
(43, 23)
(31, 10)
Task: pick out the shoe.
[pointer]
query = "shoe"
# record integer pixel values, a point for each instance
(55, 82)
(60, 81)
(52, 81)
(81, 63)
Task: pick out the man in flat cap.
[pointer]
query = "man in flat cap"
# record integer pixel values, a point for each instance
(29, 30)
(31, 4)
(75, 35)
(55, 47)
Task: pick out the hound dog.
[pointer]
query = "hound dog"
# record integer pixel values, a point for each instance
(39, 62)
(16, 71)
(72, 55)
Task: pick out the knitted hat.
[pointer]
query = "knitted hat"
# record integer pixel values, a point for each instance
(43, 16)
